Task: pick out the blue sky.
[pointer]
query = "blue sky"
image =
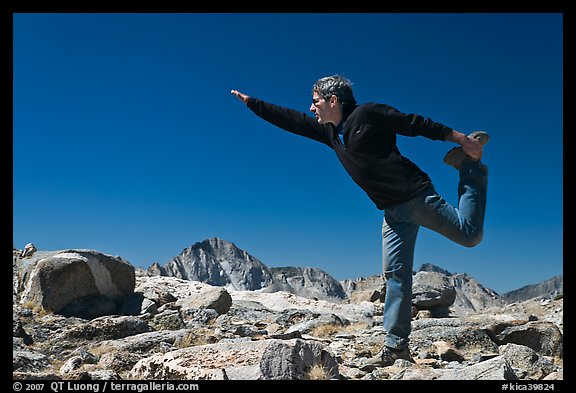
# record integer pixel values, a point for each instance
(126, 138)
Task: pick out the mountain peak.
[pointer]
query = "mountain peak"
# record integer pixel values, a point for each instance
(219, 262)
(214, 242)
(429, 267)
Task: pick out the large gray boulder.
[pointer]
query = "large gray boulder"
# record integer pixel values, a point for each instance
(434, 292)
(82, 283)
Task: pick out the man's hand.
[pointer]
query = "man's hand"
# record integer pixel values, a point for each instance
(242, 97)
(471, 146)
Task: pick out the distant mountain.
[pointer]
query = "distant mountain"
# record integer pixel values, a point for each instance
(428, 267)
(221, 263)
(548, 289)
(308, 282)
(217, 262)
(471, 296)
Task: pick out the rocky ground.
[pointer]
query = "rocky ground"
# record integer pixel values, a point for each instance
(194, 331)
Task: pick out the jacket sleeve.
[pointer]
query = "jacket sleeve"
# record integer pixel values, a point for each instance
(290, 120)
(412, 124)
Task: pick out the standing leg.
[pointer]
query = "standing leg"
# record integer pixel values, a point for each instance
(398, 243)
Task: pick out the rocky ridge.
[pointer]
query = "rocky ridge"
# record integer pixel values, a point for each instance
(221, 263)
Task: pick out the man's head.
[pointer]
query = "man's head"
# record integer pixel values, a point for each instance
(332, 97)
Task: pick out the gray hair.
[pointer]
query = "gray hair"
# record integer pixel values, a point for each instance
(336, 85)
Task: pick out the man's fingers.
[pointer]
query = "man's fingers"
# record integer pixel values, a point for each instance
(242, 97)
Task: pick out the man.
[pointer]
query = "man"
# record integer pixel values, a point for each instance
(364, 140)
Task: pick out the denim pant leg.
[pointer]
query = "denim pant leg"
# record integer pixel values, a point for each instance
(398, 243)
(464, 224)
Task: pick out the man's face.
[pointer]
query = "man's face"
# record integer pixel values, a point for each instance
(326, 111)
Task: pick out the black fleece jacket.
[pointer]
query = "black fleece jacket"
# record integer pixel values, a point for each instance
(369, 153)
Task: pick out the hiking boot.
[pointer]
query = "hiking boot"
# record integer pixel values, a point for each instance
(456, 155)
(387, 356)
(480, 136)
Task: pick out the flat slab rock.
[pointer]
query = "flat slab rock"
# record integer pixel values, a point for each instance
(248, 360)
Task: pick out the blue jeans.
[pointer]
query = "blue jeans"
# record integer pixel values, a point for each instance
(463, 225)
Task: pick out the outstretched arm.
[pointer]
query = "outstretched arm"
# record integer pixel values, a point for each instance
(288, 119)
(242, 97)
(470, 146)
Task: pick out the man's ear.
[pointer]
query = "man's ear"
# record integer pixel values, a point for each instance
(333, 100)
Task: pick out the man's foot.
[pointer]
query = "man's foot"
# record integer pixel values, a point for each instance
(456, 155)
(387, 356)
